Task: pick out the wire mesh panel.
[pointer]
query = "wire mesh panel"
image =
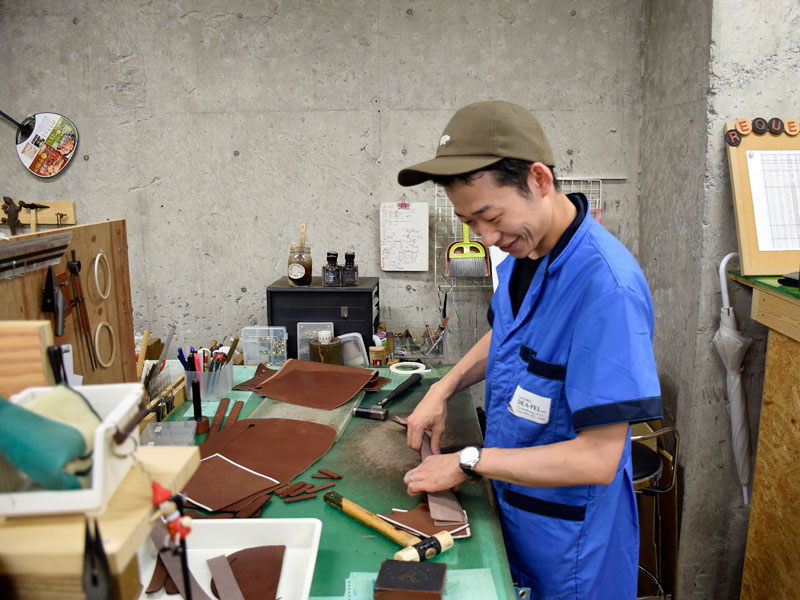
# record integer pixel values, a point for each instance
(447, 228)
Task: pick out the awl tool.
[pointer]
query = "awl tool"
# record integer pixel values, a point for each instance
(379, 411)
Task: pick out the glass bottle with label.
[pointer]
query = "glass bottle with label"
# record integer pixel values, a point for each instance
(331, 273)
(299, 265)
(350, 270)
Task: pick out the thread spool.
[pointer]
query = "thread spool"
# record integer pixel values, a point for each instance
(377, 355)
(325, 349)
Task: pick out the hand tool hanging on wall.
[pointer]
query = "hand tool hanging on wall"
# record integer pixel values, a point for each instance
(53, 301)
(33, 207)
(79, 300)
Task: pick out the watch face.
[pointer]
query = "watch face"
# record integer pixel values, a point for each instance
(469, 455)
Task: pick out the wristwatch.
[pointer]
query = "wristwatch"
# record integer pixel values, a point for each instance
(468, 458)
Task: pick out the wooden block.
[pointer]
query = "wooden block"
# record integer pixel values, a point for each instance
(23, 355)
(48, 216)
(777, 313)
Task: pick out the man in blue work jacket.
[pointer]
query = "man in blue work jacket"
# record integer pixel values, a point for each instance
(568, 363)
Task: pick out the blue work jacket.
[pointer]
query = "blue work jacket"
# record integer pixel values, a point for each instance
(577, 354)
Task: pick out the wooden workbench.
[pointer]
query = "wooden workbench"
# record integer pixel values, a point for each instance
(771, 559)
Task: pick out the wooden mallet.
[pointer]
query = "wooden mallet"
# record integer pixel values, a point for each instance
(414, 548)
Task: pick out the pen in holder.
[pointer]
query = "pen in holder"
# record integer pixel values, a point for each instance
(214, 384)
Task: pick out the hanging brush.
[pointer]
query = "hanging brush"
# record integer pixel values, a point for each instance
(467, 258)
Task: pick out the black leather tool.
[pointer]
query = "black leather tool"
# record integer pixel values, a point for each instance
(379, 411)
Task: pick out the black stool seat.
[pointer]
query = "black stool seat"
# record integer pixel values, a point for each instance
(646, 462)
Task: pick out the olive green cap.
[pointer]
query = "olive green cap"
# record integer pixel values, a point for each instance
(480, 135)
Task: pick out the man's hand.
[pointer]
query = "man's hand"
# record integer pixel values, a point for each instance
(436, 473)
(430, 414)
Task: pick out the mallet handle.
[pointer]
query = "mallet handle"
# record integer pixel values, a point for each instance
(367, 518)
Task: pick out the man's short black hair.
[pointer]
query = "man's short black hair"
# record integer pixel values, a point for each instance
(506, 172)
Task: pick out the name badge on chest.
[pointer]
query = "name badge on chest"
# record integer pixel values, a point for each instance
(530, 406)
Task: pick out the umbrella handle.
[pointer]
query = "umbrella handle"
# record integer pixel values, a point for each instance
(723, 282)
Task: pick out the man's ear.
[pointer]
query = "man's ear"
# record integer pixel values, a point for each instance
(541, 177)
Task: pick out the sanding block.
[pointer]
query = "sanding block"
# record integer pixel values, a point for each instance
(399, 580)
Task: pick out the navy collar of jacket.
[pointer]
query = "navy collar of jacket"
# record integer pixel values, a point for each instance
(557, 255)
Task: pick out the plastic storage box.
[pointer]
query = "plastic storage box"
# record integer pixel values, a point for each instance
(264, 345)
(211, 538)
(169, 433)
(117, 405)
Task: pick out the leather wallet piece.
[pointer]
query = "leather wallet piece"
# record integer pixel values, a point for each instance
(315, 385)
(219, 482)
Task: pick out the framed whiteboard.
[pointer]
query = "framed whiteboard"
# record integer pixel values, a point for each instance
(764, 163)
(404, 236)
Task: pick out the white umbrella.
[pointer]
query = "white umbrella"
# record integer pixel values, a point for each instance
(732, 346)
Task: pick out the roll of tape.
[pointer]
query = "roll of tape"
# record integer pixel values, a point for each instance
(407, 368)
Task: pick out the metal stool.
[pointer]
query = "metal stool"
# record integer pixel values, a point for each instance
(648, 466)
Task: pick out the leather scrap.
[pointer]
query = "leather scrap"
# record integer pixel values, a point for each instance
(172, 562)
(222, 574)
(159, 577)
(257, 571)
(253, 509)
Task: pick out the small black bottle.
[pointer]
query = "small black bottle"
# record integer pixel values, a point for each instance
(350, 269)
(331, 274)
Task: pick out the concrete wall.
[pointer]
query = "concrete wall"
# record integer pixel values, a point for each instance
(215, 128)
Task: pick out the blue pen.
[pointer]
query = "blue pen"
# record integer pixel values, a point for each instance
(182, 358)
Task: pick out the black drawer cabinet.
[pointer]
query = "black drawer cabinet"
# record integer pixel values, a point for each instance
(350, 309)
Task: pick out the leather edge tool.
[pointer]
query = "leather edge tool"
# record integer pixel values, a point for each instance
(379, 410)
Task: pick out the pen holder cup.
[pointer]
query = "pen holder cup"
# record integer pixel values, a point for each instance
(213, 384)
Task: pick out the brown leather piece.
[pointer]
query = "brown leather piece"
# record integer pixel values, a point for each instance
(236, 506)
(172, 562)
(198, 515)
(257, 571)
(376, 384)
(218, 483)
(323, 486)
(280, 448)
(418, 521)
(216, 424)
(261, 375)
(253, 509)
(297, 498)
(315, 385)
(223, 578)
(444, 506)
(159, 577)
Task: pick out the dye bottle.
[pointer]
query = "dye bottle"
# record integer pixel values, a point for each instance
(299, 265)
(350, 270)
(331, 274)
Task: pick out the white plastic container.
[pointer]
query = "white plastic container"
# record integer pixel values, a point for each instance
(116, 404)
(214, 537)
